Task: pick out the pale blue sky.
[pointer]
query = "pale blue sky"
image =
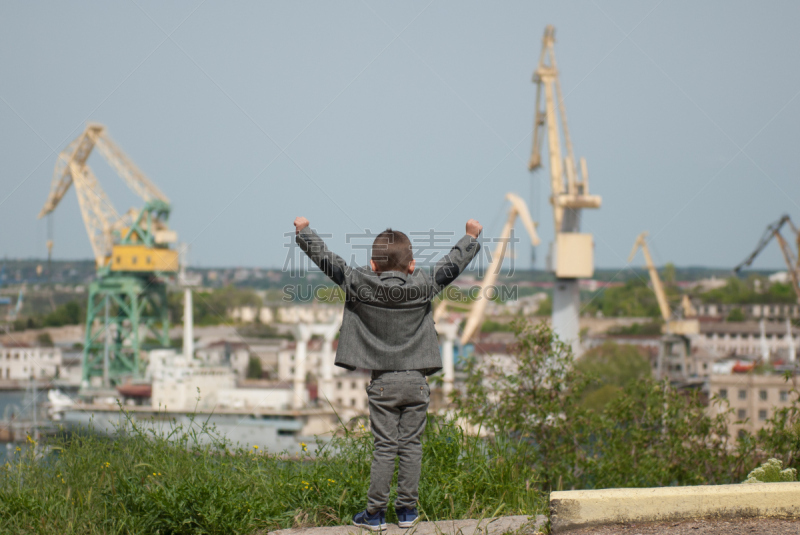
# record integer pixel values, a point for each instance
(414, 115)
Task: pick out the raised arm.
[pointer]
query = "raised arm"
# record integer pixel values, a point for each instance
(459, 257)
(329, 262)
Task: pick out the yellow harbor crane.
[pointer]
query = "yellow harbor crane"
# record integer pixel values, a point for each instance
(571, 255)
(99, 215)
(676, 331)
(672, 323)
(131, 253)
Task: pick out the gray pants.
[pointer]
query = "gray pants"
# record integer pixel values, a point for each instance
(398, 404)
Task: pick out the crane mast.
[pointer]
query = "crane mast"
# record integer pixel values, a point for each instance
(572, 253)
(132, 256)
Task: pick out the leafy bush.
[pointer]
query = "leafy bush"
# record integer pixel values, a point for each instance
(647, 435)
(770, 472)
(612, 366)
(194, 481)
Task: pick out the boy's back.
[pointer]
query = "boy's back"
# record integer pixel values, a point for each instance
(388, 318)
(388, 328)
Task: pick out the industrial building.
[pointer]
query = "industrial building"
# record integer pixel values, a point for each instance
(754, 398)
(22, 363)
(746, 338)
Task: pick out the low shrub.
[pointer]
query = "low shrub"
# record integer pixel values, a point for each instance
(770, 472)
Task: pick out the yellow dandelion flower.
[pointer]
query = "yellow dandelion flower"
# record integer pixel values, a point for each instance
(255, 447)
(304, 482)
(154, 473)
(159, 473)
(19, 449)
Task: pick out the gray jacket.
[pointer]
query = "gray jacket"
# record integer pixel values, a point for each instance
(388, 318)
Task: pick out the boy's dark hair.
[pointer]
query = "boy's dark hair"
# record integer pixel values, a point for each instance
(391, 251)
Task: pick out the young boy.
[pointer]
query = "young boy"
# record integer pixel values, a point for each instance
(388, 328)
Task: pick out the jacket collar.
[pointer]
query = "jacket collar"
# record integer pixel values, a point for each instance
(393, 274)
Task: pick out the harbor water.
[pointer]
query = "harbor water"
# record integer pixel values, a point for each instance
(17, 405)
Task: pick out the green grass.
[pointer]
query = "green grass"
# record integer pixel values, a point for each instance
(142, 483)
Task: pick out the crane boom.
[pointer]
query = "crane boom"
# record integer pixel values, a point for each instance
(658, 288)
(766, 237)
(136, 180)
(99, 215)
(792, 260)
(518, 209)
(74, 155)
(791, 263)
(97, 211)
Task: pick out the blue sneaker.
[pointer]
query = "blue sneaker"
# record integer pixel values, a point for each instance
(406, 516)
(372, 522)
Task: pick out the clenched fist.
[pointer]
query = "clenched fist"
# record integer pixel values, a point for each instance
(474, 228)
(299, 224)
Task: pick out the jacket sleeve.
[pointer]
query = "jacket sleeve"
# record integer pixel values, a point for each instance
(329, 262)
(454, 262)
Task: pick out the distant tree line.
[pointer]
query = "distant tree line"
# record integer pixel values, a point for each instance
(212, 307)
(70, 313)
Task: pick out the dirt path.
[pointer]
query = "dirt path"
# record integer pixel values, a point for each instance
(699, 527)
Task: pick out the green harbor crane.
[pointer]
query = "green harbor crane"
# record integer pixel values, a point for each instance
(132, 254)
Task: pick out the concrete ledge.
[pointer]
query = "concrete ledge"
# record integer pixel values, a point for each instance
(585, 508)
(521, 525)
